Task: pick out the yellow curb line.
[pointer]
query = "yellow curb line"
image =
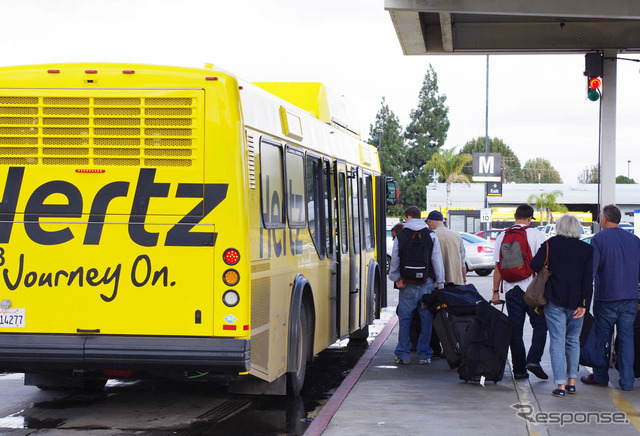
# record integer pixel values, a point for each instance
(624, 406)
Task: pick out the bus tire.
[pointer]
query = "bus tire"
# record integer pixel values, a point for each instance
(295, 378)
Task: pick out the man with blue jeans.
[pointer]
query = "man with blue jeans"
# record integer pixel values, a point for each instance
(518, 309)
(616, 270)
(411, 293)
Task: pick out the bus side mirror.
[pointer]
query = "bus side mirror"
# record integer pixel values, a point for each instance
(393, 193)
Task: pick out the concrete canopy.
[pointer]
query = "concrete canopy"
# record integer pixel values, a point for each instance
(515, 26)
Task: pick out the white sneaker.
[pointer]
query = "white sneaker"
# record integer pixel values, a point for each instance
(424, 361)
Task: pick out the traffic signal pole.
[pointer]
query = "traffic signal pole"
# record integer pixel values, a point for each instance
(607, 151)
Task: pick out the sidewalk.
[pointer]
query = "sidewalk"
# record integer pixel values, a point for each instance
(431, 399)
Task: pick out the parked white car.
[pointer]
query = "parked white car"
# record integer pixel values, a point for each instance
(550, 230)
(479, 254)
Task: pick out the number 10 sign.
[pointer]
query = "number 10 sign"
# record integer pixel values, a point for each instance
(485, 215)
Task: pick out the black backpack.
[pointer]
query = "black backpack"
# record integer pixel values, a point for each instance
(414, 251)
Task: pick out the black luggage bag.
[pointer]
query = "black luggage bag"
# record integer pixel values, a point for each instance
(454, 308)
(458, 300)
(486, 345)
(451, 330)
(589, 355)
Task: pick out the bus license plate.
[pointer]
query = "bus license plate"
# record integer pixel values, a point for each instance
(12, 318)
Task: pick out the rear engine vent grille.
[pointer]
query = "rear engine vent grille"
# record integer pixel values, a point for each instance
(111, 131)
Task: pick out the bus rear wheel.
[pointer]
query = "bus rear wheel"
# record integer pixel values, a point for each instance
(295, 378)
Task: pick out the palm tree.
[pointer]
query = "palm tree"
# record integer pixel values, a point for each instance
(449, 165)
(547, 201)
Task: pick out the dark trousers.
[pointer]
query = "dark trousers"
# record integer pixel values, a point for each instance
(518, 310)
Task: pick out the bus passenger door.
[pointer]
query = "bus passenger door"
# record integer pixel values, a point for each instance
(330, 230)
(355, 268)
(342, 248)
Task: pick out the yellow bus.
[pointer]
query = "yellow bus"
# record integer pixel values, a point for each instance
(176, 222)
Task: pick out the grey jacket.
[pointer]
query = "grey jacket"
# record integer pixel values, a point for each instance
(416, 224)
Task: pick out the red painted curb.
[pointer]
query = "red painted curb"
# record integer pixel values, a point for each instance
(321, 421)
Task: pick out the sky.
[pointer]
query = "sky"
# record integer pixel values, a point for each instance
(537, 103)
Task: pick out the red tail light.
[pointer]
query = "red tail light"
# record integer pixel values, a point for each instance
(125, 373)
(485, 249)
(231, 256)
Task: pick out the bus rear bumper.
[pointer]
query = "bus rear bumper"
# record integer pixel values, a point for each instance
(27, 352)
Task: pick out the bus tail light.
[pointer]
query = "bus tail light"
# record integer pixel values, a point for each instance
(231, 277)
(231, 256)
(123, 373)
(230, 298)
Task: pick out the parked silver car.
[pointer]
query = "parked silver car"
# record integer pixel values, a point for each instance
(479, 253)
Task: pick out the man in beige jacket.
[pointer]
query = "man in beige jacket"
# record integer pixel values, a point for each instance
(452, 247)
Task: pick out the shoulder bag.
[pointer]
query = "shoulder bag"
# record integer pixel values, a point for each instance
(534, 295)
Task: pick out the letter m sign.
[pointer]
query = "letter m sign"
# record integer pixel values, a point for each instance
(487, 167)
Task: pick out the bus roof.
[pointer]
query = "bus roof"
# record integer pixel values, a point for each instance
(315, 98)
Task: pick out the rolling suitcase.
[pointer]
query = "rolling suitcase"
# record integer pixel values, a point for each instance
(486, 345)
(454, 308)
(451, 330)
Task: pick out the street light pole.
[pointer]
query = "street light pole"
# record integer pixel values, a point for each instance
(379, 132)
(628, 163)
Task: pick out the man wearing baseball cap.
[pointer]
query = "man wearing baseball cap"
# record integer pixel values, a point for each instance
(452, 249)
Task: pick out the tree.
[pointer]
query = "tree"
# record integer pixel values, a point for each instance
(427, 131)
(449, 165)
(511, 163)
(624, 180)
(547, 201)
(590, 174)
(392, 147)
(540, 170)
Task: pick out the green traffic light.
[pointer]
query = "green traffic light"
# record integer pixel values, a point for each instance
(593, 95)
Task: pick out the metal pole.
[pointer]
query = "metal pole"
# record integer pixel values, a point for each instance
(486, 137)
(486, 114)
(607, 174)
(628, 164)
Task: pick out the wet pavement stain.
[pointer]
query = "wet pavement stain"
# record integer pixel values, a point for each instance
(254, 415)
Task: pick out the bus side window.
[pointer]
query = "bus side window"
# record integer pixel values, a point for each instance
(294, 166)
(342, 199)
(315, 210)
(271, 182)
(367, 211)
(328, 208)
(355, 209)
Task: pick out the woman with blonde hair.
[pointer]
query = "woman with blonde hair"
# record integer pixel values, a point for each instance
(568, 292)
